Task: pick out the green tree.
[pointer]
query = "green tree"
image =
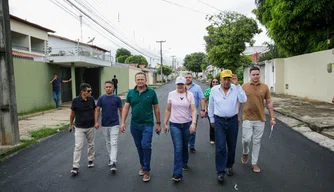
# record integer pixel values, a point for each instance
(245, 61)
(122, 52)
(195, 61)
(137, 59)
(166, 70)
(227, 37)
(298, 26)
(122, 58)
(274, 52)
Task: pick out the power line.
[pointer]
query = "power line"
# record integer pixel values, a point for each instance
(106, 29)
(191, 9)
(207, 4)
(108, 23)
(84, 22)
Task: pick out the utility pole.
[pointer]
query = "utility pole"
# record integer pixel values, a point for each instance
(162, 77)
(173, 57)
(80, 16)
(9, 128)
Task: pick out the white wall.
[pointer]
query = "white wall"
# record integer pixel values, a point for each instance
(28, 30)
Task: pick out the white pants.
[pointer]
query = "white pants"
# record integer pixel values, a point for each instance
(252, 129)
(79, 135)
(111, 137)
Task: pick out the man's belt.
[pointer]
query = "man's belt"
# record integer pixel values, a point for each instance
(226, 118)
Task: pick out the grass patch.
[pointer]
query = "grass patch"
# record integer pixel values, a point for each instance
(37, 134)
(36, 110)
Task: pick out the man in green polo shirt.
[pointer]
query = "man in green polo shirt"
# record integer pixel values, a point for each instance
(141, 99)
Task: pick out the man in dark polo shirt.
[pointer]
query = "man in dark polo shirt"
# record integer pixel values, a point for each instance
(83, 108)
(56, 89)
(141, 99)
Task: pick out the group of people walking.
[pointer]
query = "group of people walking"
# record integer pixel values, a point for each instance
(220, 103)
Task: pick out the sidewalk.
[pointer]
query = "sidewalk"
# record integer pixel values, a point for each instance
(47, 119)
(313, 119)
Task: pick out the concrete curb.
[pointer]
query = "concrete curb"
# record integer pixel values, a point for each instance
(322, 139)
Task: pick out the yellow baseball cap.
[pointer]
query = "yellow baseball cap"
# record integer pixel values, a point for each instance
(226, 73)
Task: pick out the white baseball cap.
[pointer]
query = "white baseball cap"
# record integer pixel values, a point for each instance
(180, 80)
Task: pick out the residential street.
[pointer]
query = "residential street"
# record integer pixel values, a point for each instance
(288, 162)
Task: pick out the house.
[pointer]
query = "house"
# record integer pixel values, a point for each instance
(29, 40)
(255, 52)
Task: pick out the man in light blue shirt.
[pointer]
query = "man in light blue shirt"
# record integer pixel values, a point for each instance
(196, 90)
(223, 114)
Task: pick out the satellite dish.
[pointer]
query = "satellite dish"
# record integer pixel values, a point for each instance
(91, 40)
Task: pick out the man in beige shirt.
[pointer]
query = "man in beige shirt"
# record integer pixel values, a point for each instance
(254, 116)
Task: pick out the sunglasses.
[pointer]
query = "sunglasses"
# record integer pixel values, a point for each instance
(88, 91)
(108, 87)
(214, 81)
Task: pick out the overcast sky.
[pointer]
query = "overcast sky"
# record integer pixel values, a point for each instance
(141, 23)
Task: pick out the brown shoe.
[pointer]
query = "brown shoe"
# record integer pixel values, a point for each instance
(244, 158)
(256, 168)
(141, 172)
(146, 177)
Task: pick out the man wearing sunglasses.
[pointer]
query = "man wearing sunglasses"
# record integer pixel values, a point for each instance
(82, 110)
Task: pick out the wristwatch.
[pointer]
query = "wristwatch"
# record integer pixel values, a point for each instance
(273, 119)
(158, 122)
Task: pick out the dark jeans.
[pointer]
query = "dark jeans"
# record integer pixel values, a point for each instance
(115, 91)
(142, 136)
(56, 96)
(192, 137)
(226, 134)
(180, 136)
(212, 131)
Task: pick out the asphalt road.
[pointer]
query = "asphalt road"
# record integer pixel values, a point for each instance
(288, 162)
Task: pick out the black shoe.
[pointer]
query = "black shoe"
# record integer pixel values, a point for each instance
(229, 171)
(75, 171)
(90, 164)
(192, 150)
(176, 178)
(185, 168)
(221, 177)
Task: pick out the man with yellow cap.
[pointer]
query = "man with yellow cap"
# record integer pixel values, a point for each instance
(223, 114)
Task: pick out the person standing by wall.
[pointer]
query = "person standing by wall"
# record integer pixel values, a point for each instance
(181, 110)
(141, 99)
(56, 88)
(200, 106)
(110, 105)
(115, 81)
(82, 110)
(214, 82)
(254, 116)
(223, 114)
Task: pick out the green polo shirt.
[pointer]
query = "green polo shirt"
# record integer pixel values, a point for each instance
(141, 106)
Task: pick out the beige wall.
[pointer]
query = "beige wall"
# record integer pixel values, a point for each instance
(307, 76)
(279, 76)
(28, 30)
(122, 74)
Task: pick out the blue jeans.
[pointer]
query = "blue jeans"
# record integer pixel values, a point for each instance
(180, 136)
(142, 136)
(192, 138)
(226, 133)
(115, 91)
(56, 96)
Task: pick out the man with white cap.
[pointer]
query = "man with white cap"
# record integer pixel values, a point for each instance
(223, 114)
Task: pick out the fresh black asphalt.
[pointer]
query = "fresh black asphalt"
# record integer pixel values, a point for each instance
(288, 162)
